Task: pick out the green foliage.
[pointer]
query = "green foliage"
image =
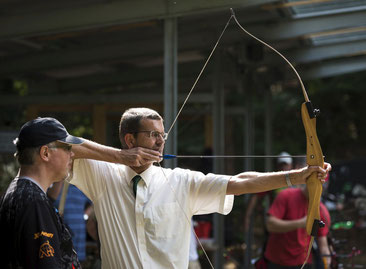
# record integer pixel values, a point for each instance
(341, 125)
(77, 124)
(20, 87)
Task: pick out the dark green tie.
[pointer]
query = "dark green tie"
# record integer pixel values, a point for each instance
(135, 180)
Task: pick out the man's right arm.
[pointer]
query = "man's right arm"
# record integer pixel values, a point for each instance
(132, 157)
(276, 225)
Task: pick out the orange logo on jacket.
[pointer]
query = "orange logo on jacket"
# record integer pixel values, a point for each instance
(42, 233)
(46, 250)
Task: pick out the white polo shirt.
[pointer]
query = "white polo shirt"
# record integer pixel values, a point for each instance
(151, 230)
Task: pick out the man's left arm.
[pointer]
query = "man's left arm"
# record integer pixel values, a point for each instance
(324, 251)
(253, 182)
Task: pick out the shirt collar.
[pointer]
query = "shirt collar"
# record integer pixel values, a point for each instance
(32, 180)
(146, 175)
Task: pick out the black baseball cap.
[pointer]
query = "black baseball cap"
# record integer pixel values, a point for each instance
(41, 131)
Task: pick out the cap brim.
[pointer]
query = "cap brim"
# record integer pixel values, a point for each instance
(72, 140)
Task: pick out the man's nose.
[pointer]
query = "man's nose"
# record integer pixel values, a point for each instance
(160, 139)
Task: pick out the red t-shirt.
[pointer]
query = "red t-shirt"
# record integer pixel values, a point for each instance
(290, 248)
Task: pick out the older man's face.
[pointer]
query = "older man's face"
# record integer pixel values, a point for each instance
(61, 160)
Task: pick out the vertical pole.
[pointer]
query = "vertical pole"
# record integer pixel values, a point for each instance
(249, 126)
(218, 149)
(268, 130)
(170, 86)
(99, 124)
(249, 150)
(32, 112)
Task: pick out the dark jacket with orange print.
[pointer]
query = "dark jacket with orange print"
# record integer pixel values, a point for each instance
(33, 233)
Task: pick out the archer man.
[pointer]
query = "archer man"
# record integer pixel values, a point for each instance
(144, 211)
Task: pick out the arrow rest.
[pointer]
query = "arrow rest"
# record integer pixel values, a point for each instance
(313, 112)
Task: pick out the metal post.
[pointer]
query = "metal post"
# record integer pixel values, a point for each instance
(170, 86)
(249, 150)
(218, 149)
(268, 130)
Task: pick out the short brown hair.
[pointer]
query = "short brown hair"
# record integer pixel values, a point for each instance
(26, 156)
(130, 121)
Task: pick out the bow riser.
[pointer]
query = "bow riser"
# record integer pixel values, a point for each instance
(314, 156)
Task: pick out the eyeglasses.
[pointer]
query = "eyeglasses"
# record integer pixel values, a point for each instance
(155, 134)
(66, 147)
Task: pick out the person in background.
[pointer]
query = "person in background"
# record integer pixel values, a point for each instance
(288, 239)
(284, 163)
(34, 235)
(74, 211)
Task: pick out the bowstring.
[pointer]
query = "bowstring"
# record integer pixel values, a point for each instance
(199, 75)
(186, 216)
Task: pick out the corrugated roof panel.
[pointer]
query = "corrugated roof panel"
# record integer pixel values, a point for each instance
(337, 38)
(301, 9)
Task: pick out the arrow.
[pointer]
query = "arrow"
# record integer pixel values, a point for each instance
(171, 156)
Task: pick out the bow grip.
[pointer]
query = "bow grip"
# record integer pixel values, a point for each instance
(314, 156)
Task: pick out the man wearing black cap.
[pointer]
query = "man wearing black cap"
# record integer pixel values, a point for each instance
(33, 234)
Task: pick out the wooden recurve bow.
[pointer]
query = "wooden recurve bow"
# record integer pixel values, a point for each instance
(314, 154)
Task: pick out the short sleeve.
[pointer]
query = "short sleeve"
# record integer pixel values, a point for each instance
(87, 177)
(325, 217)
(279, 205)
(208, 193)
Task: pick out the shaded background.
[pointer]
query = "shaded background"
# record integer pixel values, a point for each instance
(84, 62)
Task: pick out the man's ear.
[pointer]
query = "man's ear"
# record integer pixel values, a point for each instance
(44, 153)
(130, 140)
